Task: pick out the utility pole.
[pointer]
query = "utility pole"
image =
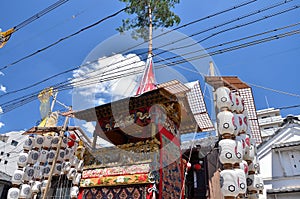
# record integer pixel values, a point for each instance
(61, 136)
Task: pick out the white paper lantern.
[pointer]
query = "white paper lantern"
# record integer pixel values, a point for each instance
(241, 143)
(39, 141)
(239, 103)
(57, 169)
(46, 171)
(67, 154)
(222, 98)
(254, 167)
(244, 167)
(229, 183)
(22, 160)
(64, 143)
(239, 151)
(36, 187)
(74, 162)
(72, 173)
(237, 124)
(227, 154)
(74, 192)
(17, 177)
(43, 156)
(28, 173)
(243, 123)
(61, 155)
(79, 166)
(33, 157)
(66, 166)
(261, 184)
(44, 185)
(76, 179)
(232, 97)
(55, 141)
(253, 182)
(250, 152)
(246, 138)
(241, 180)
(28, 144)
(25, 191)
(47, 141)
(13, 193)
(51, 155)
(38, 172)
(226, 123)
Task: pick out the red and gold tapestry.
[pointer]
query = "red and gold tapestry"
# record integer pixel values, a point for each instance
(171, 179)
(115, 180)
(115, 171)
(118, 192)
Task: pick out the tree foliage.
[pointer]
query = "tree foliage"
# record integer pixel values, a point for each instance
(161, 13)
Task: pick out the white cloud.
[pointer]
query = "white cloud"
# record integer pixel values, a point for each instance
(89, 127)
(3, 88)
(92, 79)
(1, 110)
(1, 124)
(1, 73)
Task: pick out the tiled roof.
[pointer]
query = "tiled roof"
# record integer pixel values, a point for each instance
(284, 190)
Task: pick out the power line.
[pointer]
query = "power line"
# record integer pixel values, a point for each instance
(5, 36)
(193, 22)
(62, 39)
(26, 99)
(40, 14)
(214, 34)
(182, 26)
(275, 90)
(231, 21)
(237, 26)
(110, 75)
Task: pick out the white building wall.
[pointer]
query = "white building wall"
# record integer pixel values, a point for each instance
(266, 166)
(9, 151)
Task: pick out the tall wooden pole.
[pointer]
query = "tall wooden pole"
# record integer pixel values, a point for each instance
(61, 136)
(150, 28)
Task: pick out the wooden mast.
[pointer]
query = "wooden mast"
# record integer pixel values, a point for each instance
(61, 135)
(150, 28)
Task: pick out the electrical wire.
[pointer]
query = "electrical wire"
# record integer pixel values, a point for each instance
(28, 99)
(62, 39)
(250, 14)
(219, 45)
(185, 25)
(8, 106)
(193, 22)
(39, 14)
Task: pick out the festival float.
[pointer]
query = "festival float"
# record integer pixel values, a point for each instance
(146, 160)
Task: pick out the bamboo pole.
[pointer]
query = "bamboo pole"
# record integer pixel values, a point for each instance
(61, 135)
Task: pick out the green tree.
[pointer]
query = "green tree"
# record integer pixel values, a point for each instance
(148, 14)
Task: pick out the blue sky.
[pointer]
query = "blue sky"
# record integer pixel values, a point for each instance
(272, 65)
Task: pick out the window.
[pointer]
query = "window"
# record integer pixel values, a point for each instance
(5, 162)
(2, 152)
(14, 143)
(7, 154)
